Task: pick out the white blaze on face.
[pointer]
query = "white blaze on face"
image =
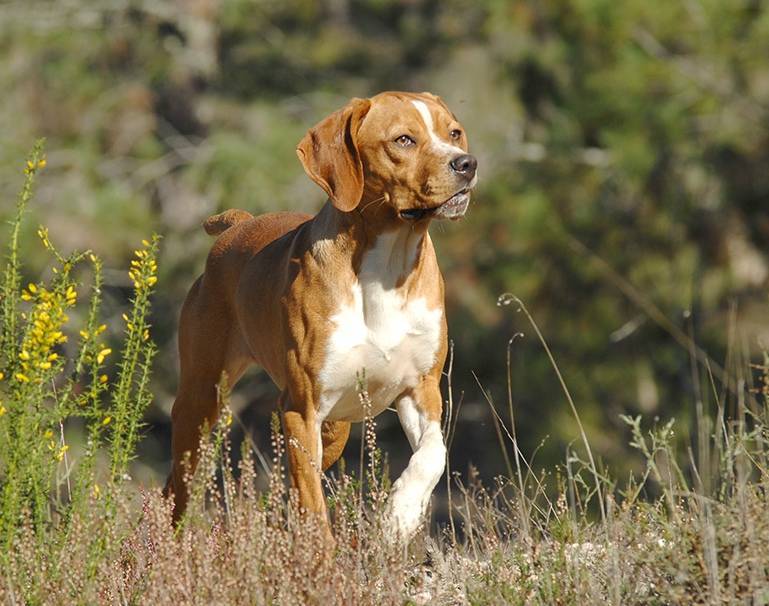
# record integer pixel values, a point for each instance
(437, 142)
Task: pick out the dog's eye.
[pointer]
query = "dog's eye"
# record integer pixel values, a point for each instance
(455, 134)
(405, 141)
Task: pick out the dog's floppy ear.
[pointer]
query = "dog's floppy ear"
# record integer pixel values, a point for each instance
(329, 154)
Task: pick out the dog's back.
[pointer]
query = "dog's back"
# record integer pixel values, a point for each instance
(240, 236)
(240, 229)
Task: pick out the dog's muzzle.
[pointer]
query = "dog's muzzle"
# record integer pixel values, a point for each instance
(453, 208)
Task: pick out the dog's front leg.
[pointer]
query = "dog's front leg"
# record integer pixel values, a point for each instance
(305, 456)
(419, 410)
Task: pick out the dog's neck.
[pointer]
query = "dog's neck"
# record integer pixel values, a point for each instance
(371, 230)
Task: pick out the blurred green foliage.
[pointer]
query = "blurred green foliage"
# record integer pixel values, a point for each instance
(622, 145)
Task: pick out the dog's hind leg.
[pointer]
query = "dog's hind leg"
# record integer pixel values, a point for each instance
(206, 350)
(334, 435)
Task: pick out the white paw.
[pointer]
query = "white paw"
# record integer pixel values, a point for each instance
(405, 513)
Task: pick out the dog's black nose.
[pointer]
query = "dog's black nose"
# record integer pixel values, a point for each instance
(465, 165)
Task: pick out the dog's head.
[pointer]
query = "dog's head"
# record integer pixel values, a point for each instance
(405, 150)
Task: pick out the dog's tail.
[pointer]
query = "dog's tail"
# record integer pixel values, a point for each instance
(216, 224)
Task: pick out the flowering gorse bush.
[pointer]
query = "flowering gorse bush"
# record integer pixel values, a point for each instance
(53, 379)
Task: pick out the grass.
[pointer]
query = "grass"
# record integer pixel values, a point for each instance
(692, 529)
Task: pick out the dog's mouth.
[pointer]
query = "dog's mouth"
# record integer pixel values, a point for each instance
(453, 208)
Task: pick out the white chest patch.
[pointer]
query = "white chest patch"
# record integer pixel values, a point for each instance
(392, 340)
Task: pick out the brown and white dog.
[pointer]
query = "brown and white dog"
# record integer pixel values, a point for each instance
(315, 301)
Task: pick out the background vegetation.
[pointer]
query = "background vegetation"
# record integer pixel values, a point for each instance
(623, 149)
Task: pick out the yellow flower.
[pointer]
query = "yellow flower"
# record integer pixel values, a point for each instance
(103, 379)
(46, 319)
(42, 163)
(71, 295)
(61, 451)
(3, 410)
(101, 329)
(143, 268)
(96, 491)
(106, 421)
(84, 334)
(103, 354)
(48, 434)
(2, 376)
(42, 233)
